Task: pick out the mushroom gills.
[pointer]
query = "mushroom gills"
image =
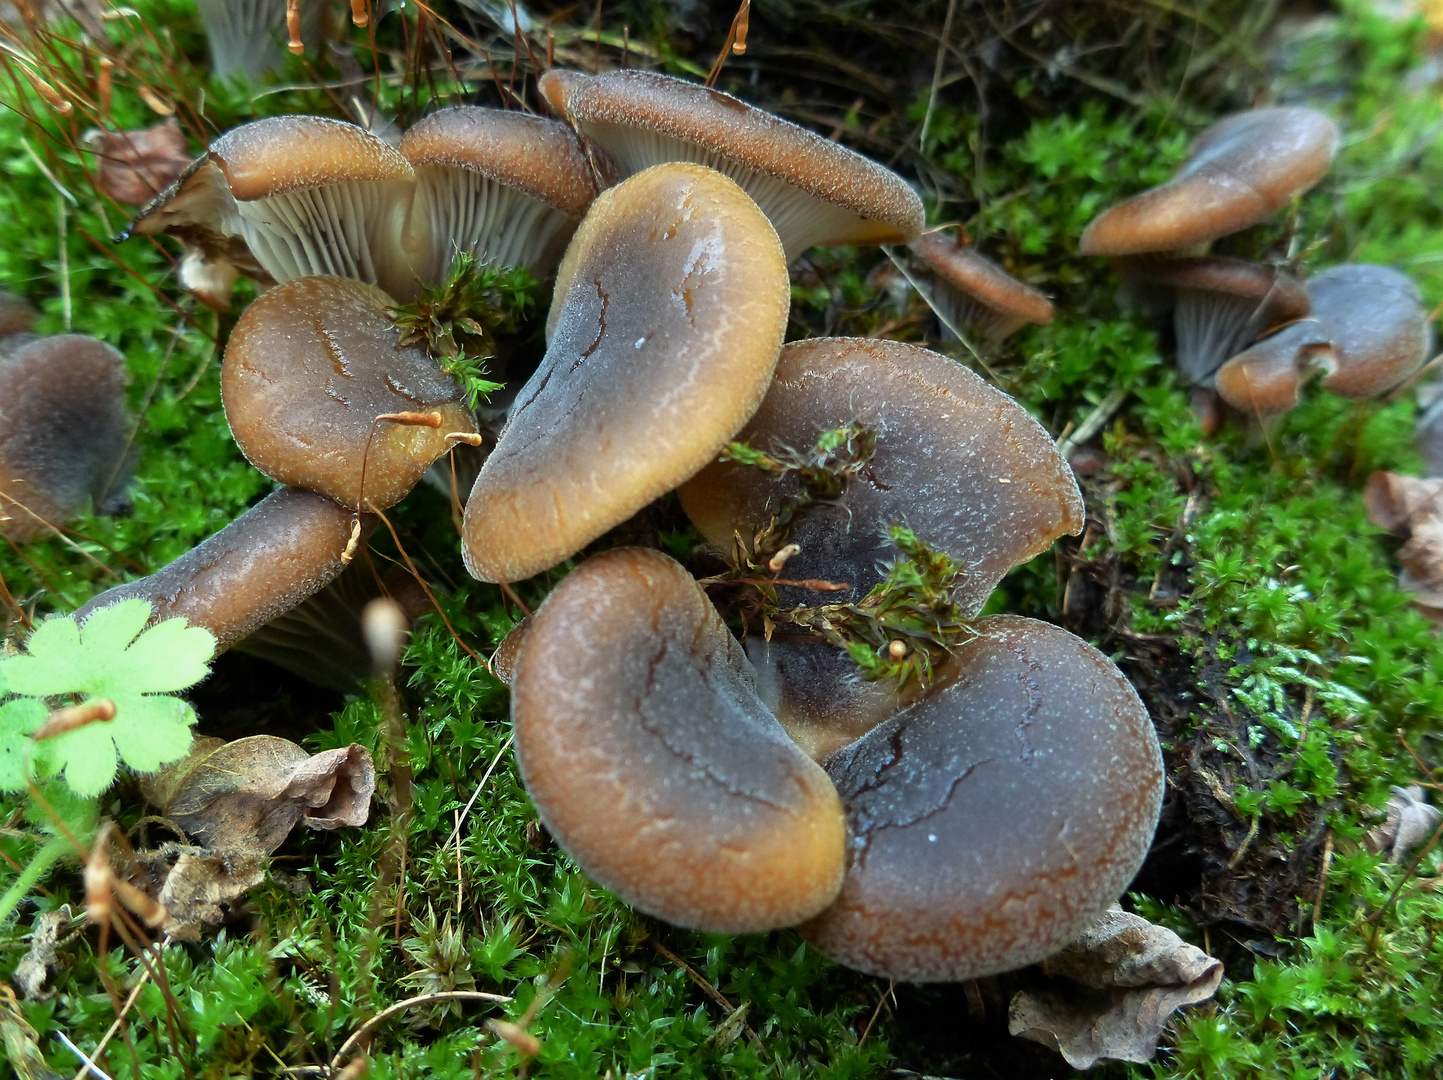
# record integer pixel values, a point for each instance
(494, 222)
(647, 753)
(801, 220)
(998, 816)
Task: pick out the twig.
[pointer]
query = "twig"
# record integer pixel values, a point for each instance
(1093, 422)
(707, 988)
(477, 793)
(937, 74)
(401, 1006)
(119, 1019)
(1323, 876)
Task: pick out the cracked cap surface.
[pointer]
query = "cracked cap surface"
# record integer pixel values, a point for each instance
(643, 744)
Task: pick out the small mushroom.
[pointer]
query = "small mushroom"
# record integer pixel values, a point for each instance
(321, 395)
(300, 196)
(285, 548)
(1221, 306)
(1377, 323)
(996, 818)
(670, 307)
(64, 431)
(814, 191)
(1265, 379)
(1239, 171)
(502, 186)
(649, 757)
(974, 292)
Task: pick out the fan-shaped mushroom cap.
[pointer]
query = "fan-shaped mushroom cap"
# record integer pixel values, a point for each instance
(262, 564)
(813, 190)
(994, 819)
(556, 85)
(64, 431)
(1240, 170)
(503, 186)
(309, 368)
(975, 291)
(1265, 379)
(503, 660)
(1222, 305)
(670, 307)
(957, 461)
(304, 195)
(1378, 325)
(649, 757)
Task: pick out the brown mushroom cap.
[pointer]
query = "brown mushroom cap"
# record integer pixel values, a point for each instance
(503, 660)
(957, 461)
(994, 819)
(649, 757)
(670, 307)
(503, 186)
(1240, 170)
(307, 371)
(1378, 325)
(814, 191)
(64, 430)
(976, 291)
(1223, 304)
(265, 562)
(1265, 379)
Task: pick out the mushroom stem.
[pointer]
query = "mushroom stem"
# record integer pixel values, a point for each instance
(361, 13)
(293, 27)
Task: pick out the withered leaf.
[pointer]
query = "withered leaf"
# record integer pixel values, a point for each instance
(244, 797)
(199, 884)
(1125, 978)
(37, 964)
(133, 167)
(1412, 508)
(1411, 823)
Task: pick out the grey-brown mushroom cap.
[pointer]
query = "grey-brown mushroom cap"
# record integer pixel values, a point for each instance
(502, 186)
(994, 819)
(1265, 379)
(642, 118)
(649, 757)
(670, 308)
(1239, 171)
(265, 562)
(309, 368)
(1378, 325)
(957, 461)
(962, 268)
(64, 430)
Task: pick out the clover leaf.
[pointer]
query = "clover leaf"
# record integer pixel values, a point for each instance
(111, 658)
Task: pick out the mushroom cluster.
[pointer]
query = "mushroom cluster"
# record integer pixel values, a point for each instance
(716, 783)
(1249, 333)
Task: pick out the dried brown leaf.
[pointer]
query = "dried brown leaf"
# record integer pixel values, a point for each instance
(200, 884)
(133, 167)
(36, 965)
(1411, 822)
(1127, 978)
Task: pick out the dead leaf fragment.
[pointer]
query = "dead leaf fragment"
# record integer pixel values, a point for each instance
(46, 935)
(133, 167)
(21, 1041)
(1128, 977)
(1412, 508)
(1411, 823)
(244, 797)
(199, 887)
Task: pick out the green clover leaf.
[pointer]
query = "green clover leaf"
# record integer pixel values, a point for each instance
(112, 656)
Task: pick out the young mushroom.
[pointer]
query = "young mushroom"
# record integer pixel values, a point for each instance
(1239, 171)
(320, 393)
(288, 546)
(814, 191)
(650, 759)
(976, 294)
(64, 431)
(502, 186)
(669, 310)
(994, 819)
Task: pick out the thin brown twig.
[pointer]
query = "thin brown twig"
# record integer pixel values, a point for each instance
(410, 1003)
